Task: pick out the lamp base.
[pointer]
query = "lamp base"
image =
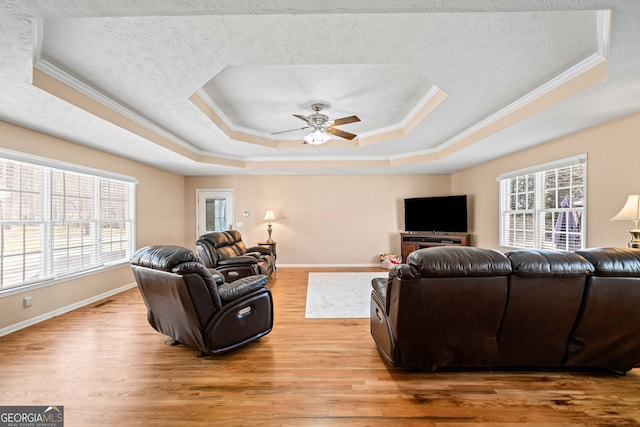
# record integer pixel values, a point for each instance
(269, 240)
(635, 238)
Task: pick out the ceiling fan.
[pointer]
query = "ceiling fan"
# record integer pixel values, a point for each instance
(322, 126)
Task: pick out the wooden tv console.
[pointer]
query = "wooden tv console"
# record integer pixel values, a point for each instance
(414, 241)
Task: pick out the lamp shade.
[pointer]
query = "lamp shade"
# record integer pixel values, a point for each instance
(269, 216)
(630, 210)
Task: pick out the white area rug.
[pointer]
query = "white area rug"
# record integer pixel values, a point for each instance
(339, 295)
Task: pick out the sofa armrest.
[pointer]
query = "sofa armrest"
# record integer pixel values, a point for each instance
(236, 289)
(263, 250)
(237, 260)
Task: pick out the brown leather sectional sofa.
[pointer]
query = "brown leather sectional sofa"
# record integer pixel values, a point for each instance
(466, 307)
(226, 252)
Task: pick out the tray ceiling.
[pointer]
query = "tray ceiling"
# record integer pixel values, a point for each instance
(199, 90)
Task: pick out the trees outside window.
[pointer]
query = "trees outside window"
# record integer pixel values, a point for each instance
(56, 223)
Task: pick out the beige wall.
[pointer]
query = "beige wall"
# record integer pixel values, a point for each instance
(160, 219)
(612, 151)
(322, 220)
(329, 220)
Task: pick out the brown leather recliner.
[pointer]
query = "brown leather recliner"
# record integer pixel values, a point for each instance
(192, 304)
(464, 307)
(226, 252)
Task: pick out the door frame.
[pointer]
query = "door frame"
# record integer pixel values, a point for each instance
(227, 193)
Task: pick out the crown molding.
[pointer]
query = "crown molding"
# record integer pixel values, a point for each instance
(75, 83)
(476, 132)
(588, 64)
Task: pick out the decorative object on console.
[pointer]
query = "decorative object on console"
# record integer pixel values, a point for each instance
(269, 216)
(631, 211)
(389, 260)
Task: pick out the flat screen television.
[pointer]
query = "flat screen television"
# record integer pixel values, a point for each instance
(436, 214)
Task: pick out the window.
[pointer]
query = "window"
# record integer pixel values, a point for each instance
(56, 222)
(544, 207)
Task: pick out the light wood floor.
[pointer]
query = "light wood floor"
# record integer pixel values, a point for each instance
(107, 366)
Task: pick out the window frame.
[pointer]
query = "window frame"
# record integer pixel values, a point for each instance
(48, 222)
(538, 211)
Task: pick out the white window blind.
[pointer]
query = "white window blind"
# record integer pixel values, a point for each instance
(56, 222)
(544, 207)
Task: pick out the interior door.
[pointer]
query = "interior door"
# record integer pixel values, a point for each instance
(214, 210)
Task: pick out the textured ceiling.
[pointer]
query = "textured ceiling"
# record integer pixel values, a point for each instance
(262, 97)
(507, 75)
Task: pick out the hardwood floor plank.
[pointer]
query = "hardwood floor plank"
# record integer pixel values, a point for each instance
(107, 366)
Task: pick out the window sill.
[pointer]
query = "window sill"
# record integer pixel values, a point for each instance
(55, 281)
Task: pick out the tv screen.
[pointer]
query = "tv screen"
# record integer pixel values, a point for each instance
(436, 214)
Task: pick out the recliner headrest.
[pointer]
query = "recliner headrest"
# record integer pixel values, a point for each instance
(613, 262)
(548, 263)
(234, 236)
(456, 261)
(163, 258)
(217, 238)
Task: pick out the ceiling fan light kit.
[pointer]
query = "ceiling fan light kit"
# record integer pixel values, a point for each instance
(323, 128)
(316, 137)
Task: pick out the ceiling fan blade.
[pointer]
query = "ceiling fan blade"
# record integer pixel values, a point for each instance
(341, 133)
(301, 117)
(290, 130)
(345, 120)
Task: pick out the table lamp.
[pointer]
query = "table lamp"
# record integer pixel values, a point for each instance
(269, 216)
(631, 211)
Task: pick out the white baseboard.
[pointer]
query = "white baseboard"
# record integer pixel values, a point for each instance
(29, 322)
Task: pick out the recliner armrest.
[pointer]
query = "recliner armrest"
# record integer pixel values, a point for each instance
(262, 249)
(253, 254)
(379, 292)
(217, 276)
(236, 289)
(236, 260)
